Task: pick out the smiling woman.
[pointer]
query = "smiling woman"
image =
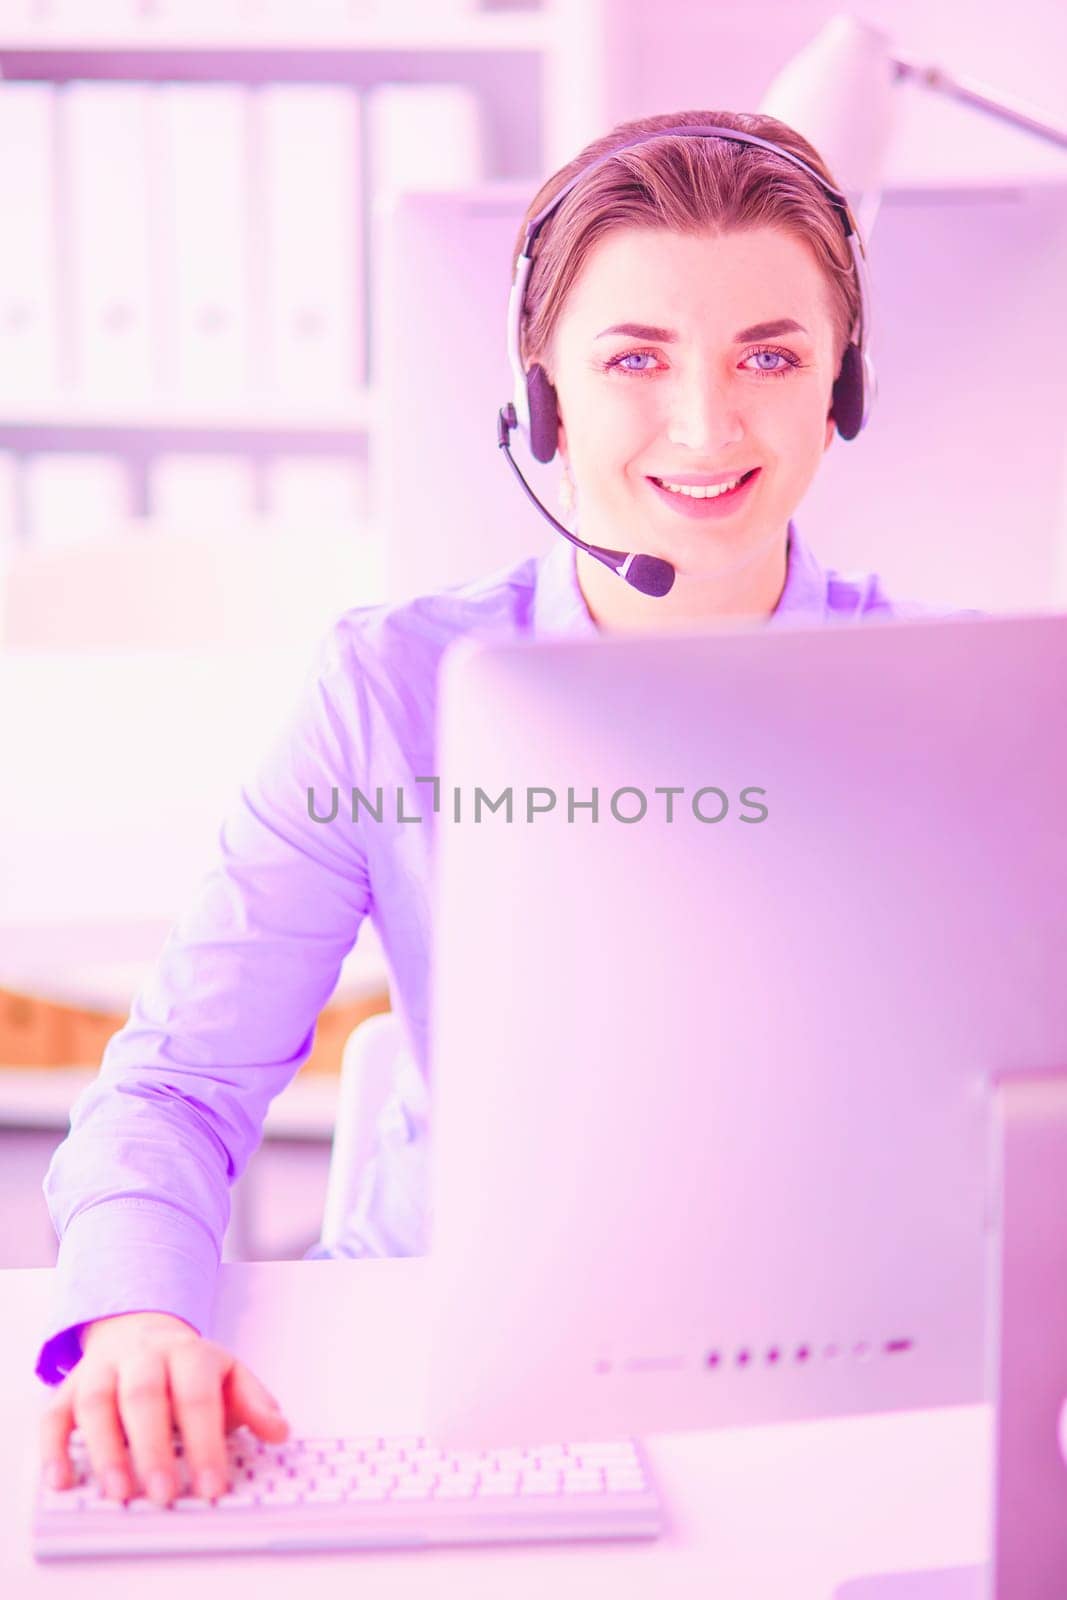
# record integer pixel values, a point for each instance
(673, 276)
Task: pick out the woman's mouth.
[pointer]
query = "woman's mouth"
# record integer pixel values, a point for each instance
(715, 501)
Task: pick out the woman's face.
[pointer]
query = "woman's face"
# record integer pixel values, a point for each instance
(694, 388)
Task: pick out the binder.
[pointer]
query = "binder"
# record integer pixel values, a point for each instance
(9, 524)
(424, 136)
(305, 492)
(201, 181)
(324, 553)
(201, 492)
(113, 19)
(309, 179)
(305, 18)
(29, 337)
(104, 167)
(68, 19)
(73, 496)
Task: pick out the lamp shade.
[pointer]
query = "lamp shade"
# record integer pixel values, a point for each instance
(837, 92)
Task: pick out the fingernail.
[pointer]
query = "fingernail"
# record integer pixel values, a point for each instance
(55, 1474)
(210, 1483)
(159, 1486)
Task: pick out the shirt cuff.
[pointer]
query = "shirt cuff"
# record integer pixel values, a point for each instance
(126, 1254)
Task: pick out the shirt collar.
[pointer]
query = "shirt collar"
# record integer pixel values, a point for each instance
(559, 605)
(804, 594)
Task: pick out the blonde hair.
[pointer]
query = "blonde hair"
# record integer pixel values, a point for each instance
(688, 185)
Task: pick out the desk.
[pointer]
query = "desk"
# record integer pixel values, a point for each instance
(768, 1513)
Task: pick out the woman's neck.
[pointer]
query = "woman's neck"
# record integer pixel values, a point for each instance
(749, 588)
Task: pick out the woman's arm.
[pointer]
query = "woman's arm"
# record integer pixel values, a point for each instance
(139, 1190)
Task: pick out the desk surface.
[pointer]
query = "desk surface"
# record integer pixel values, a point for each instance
(787, 1512)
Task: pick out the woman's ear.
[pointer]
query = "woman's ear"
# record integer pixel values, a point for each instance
(831, 428)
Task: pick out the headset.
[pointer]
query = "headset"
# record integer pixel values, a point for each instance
(533, 409)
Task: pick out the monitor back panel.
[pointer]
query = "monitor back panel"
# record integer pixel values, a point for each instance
(711, 1097)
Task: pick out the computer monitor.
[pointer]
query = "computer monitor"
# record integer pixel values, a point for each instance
(712, 1069)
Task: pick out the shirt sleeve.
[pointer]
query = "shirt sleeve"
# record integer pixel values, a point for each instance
(138, 1192)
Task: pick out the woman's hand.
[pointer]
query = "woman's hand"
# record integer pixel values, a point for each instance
(142, 1374)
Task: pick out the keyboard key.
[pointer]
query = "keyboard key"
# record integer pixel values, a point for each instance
(516, 1459)
(620, 1478)
(413, 1490)
(370, 1489)
(539, 1477)
(617, 1450)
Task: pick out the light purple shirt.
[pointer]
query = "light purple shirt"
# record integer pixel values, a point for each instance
(139, 1190)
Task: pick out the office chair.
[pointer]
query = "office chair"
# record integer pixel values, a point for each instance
(368, 1074)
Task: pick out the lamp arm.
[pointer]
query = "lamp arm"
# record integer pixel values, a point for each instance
(960, 89)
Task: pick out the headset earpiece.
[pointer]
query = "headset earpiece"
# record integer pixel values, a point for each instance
(848, 394)
(543, 414)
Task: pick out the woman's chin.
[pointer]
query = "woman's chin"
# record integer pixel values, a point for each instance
(695, 549)
(709, 554)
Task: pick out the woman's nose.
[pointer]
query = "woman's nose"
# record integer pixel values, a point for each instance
(704, 415)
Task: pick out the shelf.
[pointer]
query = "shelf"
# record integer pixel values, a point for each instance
(41, 1098)
(482, 32)
(906, 188)
(100, 962)
(68, 415)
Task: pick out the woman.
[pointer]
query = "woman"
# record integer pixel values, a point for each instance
(691, 330)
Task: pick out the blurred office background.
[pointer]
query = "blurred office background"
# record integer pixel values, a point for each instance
(254, 264)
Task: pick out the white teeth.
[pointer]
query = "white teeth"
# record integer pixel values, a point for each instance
(699, 491)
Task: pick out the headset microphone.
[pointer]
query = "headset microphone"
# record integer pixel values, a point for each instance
(649, 574)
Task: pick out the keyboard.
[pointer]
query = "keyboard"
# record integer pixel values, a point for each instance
(350, 1493)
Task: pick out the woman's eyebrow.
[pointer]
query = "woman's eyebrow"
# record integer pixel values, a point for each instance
(759, 330)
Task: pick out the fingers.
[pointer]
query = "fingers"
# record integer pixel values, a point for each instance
(96, 1414)
(57, 1424)
(145, 1402)
(196, 1390)
(249, 1401)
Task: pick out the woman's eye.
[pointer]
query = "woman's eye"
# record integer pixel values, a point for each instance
(632, 355)
(781, 356)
